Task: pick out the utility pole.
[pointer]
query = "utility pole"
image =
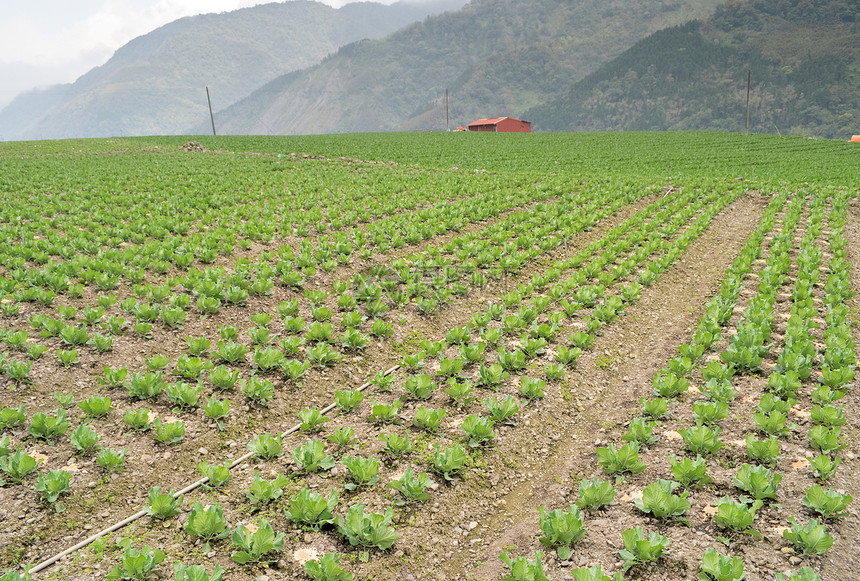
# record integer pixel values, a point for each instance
(747, 126)
(446, 111)
(211, 116)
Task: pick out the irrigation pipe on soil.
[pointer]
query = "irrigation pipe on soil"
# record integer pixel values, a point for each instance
(193, 486)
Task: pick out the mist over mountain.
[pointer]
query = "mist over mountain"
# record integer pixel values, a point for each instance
(496, 57)
(566, 65)
(155, 84)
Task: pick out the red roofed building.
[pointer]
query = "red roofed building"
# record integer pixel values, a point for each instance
(501, 124)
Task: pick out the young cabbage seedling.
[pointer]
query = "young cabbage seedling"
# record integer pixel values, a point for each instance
(264, 492)
(162, 505)
(760, 482)
(812, 539)
(367, 529)
(561, 529)
(311, 509)
(523, 569)
(638, 549)
(594, 494)
(718, 567)
(624, 459)
(53, 484)
(827, 503)
(737, 516)
(803, 574)
(594, 574)
(218, 474)
(429, 419)
(657, 499)
(257, 546)
(412, 487)
(702, 439)
(363, 471)
(197, 573)
(208, 523)
(311, 420)
(137, 564)
(450, 462)
(689, 472)
(265, 446)
(327, 568)
(311, 456)
(84, 438)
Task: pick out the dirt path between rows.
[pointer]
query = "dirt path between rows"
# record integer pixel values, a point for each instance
(540, 462)
(173, 467)
(841, 563)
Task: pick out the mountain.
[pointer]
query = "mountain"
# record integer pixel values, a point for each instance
(156, 83)
(20, 119)
(803, 57)
(496, 57)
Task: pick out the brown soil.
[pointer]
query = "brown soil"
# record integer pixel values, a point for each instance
(33, 531)
(462, 530)
(543, 463)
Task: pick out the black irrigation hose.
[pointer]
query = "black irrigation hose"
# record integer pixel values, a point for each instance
(193, 486)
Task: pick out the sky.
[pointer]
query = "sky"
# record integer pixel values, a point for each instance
(47, 42)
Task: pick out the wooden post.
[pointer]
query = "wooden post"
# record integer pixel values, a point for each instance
(211, 116)
(747, 126)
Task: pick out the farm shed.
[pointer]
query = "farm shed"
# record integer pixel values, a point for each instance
(501, 124)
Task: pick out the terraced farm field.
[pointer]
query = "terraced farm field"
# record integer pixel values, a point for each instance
(430, 356)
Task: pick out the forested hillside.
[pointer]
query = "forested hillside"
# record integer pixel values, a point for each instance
(156, 83)
(803, 57)
(496, 57)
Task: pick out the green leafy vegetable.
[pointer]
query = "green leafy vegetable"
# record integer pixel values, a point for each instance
(258, 545)
(208, 523)
(311, 509)
(760, 482)
(362, 471)
(327, 569)
(53, 484)
(624, 459)
(412, 487)
(811, 539)
(657, 499)
(311, 456)
(827, 503)
(162, 505)
(718, 567)
(137, 564)
(367, 529)
(561, 529)
(523, 569)
(594, 494)
(638, 549)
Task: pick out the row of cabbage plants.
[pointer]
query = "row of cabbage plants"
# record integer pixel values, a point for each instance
(422, 402)
(669, 500)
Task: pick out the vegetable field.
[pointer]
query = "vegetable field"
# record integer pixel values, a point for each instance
(430, 356)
